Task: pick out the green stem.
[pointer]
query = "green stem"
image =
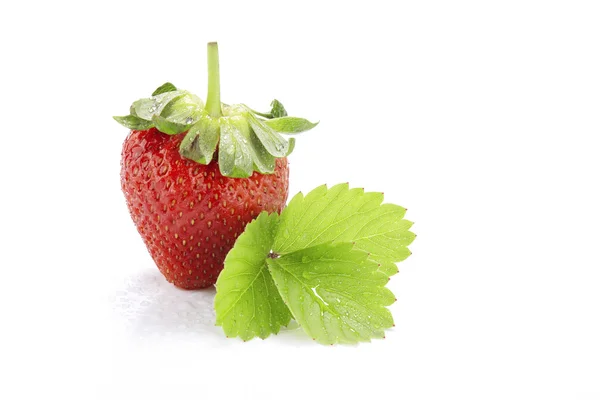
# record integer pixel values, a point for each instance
(213, 98)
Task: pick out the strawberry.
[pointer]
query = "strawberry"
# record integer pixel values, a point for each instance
(189, 214)
(193, 176)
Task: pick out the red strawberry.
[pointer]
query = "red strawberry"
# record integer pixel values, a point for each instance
(188, 200)
(189, 214)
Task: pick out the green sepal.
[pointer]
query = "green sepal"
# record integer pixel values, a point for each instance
(262, 160)
(133, 122)
(277, 110)
(148, 108)
(168, 127)
(185, 109)
(290, 125)
(273, 142)
(235, 152)
(132, 111)
(291, 145)
(200, 143)
(164, 88)
(246, 142)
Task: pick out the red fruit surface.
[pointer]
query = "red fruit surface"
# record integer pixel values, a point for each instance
(188, 214)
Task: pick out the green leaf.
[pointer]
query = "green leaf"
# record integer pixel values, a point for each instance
(168, 127)
(388, 267)
(200, 143)
(164, 88)
(334, 292)
(133, 122)
(247, 303)
(329, 256)
(290, 125)
(340, 214)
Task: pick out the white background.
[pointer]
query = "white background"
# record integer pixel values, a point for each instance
(480, 117)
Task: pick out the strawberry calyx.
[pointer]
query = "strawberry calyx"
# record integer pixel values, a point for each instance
(241, 139)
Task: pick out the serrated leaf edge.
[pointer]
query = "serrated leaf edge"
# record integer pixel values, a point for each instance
(377, 333)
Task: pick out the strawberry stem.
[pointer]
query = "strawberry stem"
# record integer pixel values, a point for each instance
(213, 98)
